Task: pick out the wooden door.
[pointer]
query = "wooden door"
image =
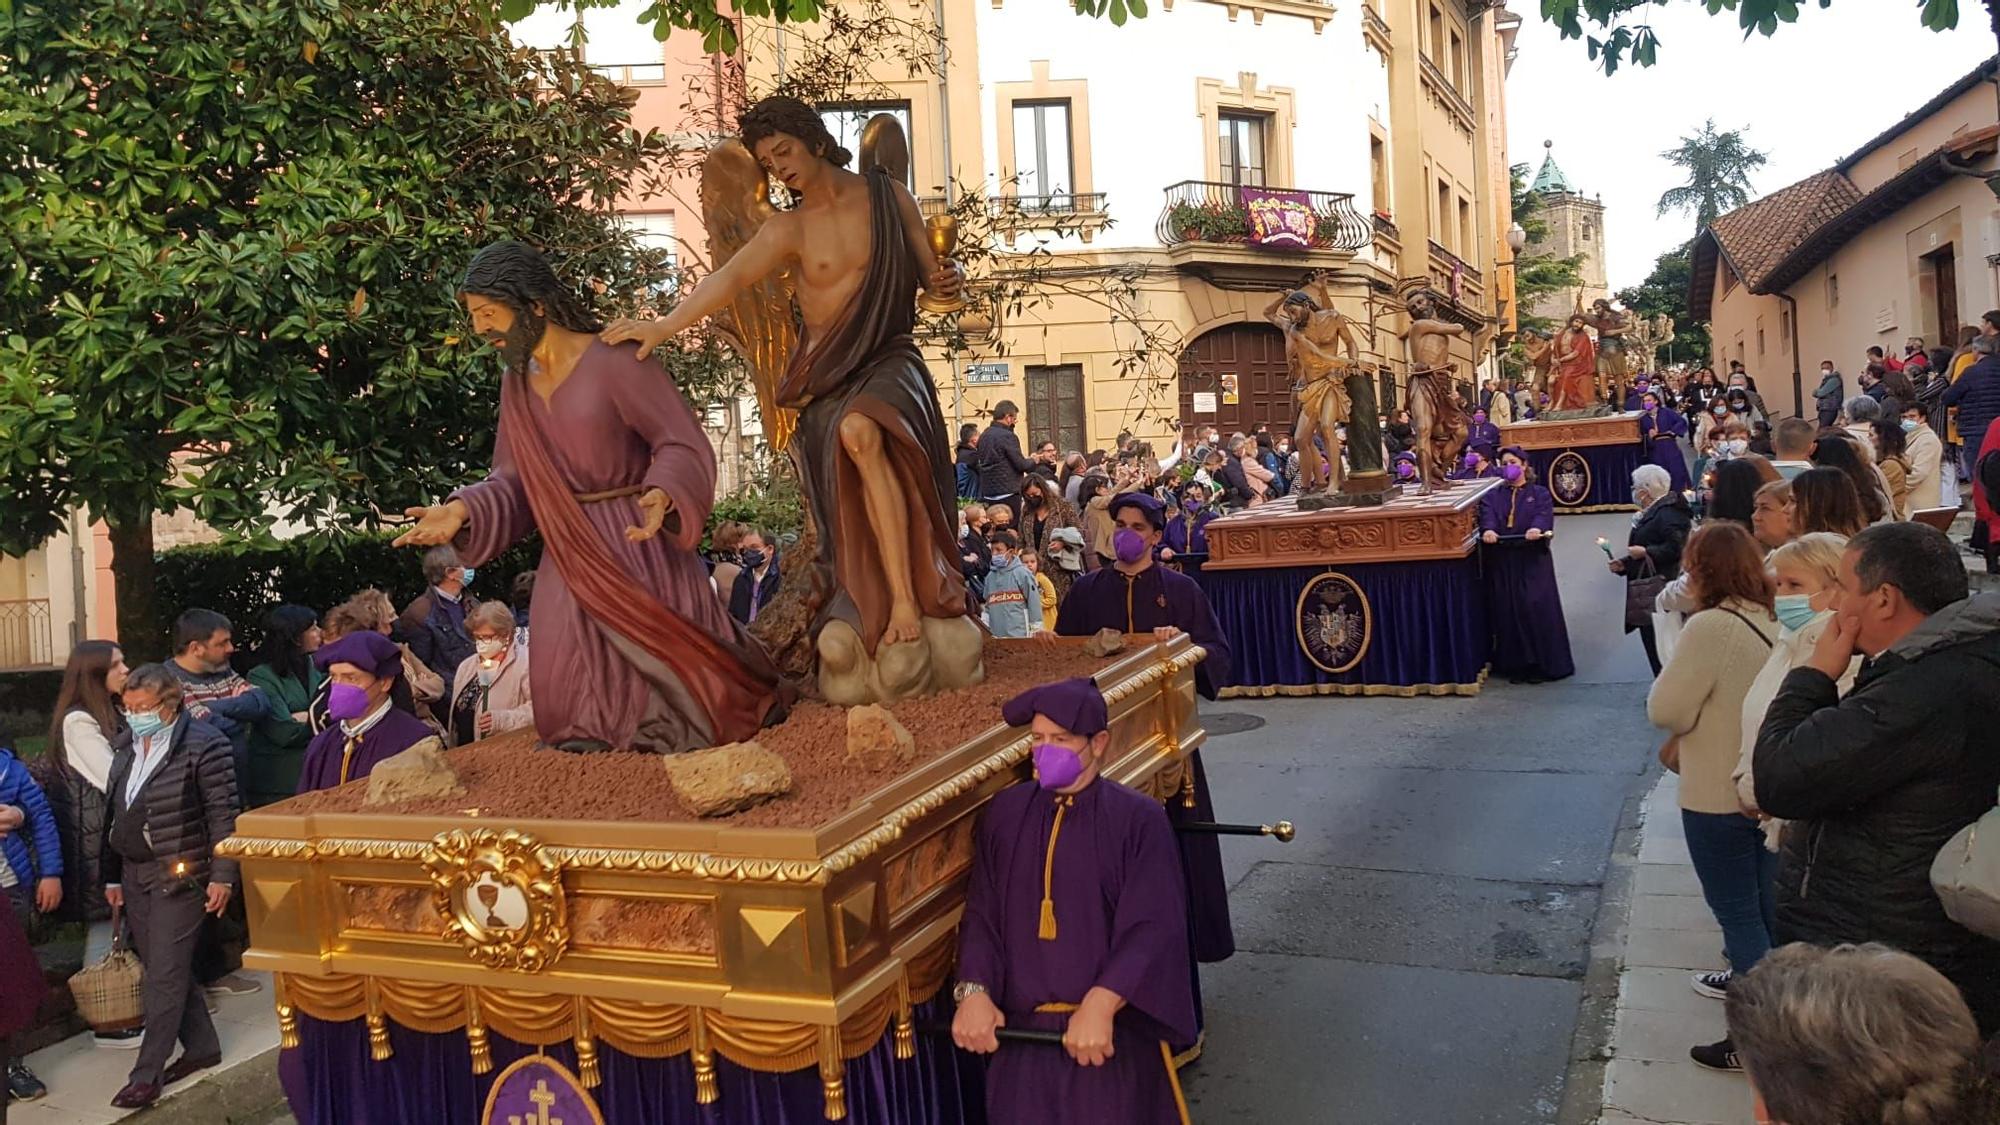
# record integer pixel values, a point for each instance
(1055, 407)
(1243, 361)
(1944, 275)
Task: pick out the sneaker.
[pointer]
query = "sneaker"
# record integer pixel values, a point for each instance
(126, 1040)
(1716, 1056)
(22, 1085)
(232, 984)
(1715, 986)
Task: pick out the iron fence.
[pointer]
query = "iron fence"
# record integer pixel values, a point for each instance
(1210, 212)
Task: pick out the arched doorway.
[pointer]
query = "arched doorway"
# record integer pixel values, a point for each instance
(1244, 362)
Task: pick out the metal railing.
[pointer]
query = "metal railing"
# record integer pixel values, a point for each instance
(26, 635)
(1204, 211)
(1450, 262)
(1054, 206)
(1372, 20)
(1386, 226)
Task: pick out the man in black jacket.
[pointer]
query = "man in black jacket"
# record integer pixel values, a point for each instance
(1878, 781)
(172, 791)
(1002, 465)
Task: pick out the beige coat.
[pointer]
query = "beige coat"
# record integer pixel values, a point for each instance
(507, 700)
(1699, 697)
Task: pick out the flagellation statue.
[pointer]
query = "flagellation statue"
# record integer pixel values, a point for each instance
(849, 387)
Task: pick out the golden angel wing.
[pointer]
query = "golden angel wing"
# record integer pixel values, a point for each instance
(759, 323)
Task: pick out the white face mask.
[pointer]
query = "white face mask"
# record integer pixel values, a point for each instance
(490, 647)
(1735, 446)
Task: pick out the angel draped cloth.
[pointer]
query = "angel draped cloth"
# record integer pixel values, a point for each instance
(866, 364)
(632, 647)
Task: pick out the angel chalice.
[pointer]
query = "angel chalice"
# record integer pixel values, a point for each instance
(870, 441)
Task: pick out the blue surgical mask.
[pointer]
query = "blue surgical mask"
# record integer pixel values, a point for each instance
(1795, 611)
(1909, 425)
(144, 723)
(469, 574)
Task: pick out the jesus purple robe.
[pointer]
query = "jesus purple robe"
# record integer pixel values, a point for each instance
(326, 756)
(1107, 869)
(603, 604)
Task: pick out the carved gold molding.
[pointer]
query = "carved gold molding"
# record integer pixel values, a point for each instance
(501, 896)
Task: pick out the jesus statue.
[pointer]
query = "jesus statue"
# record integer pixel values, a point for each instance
(598, 451)
(871, 444)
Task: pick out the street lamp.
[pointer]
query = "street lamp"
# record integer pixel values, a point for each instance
(1517, 239)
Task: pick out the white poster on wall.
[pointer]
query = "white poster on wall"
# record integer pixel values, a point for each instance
(1204, 402)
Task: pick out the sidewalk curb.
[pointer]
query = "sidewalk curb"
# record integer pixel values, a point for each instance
(247, 1093)
(1590, 1049)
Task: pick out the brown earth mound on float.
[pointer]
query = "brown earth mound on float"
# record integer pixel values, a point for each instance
(506, 776)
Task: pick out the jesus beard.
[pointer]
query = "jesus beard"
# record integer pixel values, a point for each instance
(517, 344)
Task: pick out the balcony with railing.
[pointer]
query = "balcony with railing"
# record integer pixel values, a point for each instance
(26, 635)
(1453, 275)
(1261, 219)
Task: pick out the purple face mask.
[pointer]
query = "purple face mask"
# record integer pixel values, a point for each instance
(345, 701)
(1128, 545)
(1511, 471)
(1479, 416)
(1056, 767)
(1472, 460)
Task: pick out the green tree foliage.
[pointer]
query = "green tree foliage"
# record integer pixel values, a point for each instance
(1718, 167)
(1665, 290)
(1537, 275)
(1612, 38)
(234, 234)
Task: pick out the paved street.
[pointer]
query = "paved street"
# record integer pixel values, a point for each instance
(1420, 953)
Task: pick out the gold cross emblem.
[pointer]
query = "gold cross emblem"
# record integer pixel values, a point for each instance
(543, 1099)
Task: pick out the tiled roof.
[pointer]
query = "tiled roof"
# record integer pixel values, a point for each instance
(1759, 235)
(1551, 178)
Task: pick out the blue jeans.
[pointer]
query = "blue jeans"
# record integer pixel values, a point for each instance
(1738, 880)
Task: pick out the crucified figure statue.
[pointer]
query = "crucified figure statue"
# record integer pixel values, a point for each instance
(871, 443)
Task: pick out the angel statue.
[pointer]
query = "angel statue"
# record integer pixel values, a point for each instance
(868, 439)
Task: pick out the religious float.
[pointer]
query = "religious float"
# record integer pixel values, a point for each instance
(684, 969)
(1586, 462)
(1377, 600)
(689, 895)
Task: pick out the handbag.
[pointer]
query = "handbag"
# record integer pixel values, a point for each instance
(1966, 875)
(1640, 594)
(108, 992)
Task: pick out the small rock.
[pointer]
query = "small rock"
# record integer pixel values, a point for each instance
(727, 779)
(415, 774)
(876, 739)
(1106, 642)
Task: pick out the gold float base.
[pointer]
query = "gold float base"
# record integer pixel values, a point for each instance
(775, 948)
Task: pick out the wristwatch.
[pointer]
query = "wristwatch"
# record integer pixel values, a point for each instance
(965, 988)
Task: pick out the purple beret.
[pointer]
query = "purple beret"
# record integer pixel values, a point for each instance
(1154, 511)
(1516, 451)
(367, 650)
(1074, 705)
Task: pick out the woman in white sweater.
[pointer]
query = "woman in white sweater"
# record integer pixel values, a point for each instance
(1807, 576)
(1698, 701)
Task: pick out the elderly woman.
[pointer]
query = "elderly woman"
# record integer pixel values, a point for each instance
(173, 798)
(367, 726)
(1858, 1034)
(1806, 573)
(1771, 515)
(1654, 546)
(489, 694)
(1698, 701)
(1857, 417)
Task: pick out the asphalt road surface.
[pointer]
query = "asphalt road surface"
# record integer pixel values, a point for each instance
(1418, 956)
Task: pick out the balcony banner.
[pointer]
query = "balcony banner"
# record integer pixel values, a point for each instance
(1280, 218)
